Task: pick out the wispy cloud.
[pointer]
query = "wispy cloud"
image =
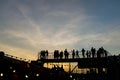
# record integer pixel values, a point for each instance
(27, 27)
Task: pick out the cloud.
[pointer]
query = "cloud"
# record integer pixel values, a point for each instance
(18, 52)
(29, 27)
(33, 37)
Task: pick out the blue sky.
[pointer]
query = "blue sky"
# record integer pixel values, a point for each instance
(27, 26)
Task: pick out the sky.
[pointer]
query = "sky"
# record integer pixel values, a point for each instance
(28, 26)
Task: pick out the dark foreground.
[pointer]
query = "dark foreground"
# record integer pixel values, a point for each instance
(14, 69)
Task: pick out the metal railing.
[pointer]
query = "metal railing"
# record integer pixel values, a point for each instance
(17, 58)
(70, 56)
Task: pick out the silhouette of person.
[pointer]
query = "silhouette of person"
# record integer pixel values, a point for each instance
(83, 52)
(104, 52)
(93, 50)
(61, 54)
(42, 54)
(56, 54)
(73, 53)
(66, 54)
(77, 54)
(99, 52)
(87, 54)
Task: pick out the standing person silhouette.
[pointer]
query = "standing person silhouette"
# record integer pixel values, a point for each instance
(77, 54)
(66, 54)
(83, 52)
(61, 54)
(87, 54)
(93, 50)
(73, 53)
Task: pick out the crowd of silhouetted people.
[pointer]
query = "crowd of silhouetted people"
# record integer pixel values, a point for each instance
(43, 54)
(101, 52)
(92, 53)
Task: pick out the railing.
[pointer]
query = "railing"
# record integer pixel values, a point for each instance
(70, 56)
(51, 56)
(17, 58)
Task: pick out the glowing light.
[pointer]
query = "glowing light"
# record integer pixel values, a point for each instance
(37, 75)
(1, 74)
(104, 70)
(11, 67)
(14, 71)
(70, 76)
(26, 76)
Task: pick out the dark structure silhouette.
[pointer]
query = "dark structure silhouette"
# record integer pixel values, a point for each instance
(14, 68)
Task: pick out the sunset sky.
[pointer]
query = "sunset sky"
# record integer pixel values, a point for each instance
(28, 26)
